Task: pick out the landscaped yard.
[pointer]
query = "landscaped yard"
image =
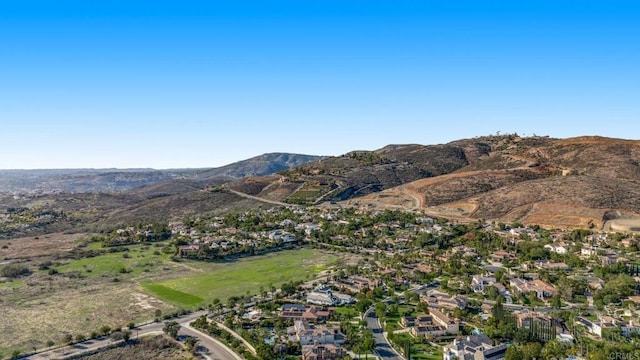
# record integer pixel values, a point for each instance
(418, 349)
(223, 280)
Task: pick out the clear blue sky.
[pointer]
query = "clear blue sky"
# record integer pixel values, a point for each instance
(169, 84)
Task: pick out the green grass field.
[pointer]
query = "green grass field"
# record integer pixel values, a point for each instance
(237, 278)
(169, 293)
(138, 259)
(14, 283)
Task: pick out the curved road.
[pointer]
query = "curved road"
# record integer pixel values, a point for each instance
(215, 349)
(383, 348)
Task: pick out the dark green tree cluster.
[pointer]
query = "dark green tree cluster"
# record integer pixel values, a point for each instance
(502, 325)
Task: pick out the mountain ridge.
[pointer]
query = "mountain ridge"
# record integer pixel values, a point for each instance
(583, 182)
(502, 178)
(110, 179)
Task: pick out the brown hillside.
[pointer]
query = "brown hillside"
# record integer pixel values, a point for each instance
(567, 182)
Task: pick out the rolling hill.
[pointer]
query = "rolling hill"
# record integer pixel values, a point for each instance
(111, 180)
(576, 182)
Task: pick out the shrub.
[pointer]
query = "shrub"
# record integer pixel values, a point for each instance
(15, 271)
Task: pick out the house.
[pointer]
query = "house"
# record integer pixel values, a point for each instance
(542, 288)
(308, 334)
(323, 352)
(518, 285)
(609, 258)
(410, 321)
(503, 256)
(550, 265)
(528, 319)
(326, 297)
(631, 328)
(476, 347)
(321, 296)
(597, 238)
(450, 325)
(479, 283)
(588, 251)
(428, 330)
(188, 250)
(524, 232)
(557, 248)
(444, 301)
(592, 326)
(451, 303)
(305, 312)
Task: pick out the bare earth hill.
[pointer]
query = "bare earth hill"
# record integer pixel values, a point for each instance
(576, 182)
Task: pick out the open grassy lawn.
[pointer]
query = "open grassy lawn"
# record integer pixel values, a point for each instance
(175, 296)
(138, 259)
(347, 312)
(237, 278)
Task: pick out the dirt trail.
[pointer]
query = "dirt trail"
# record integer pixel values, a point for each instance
(247, 196)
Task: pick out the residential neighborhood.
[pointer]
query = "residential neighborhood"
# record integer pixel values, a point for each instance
(435, 285)
(410, 286)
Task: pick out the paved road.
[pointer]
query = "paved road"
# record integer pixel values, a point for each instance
(383, 348)
(215, 349)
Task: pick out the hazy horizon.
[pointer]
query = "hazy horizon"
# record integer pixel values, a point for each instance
(202, 84)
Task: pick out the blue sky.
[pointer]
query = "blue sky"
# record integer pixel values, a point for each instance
(205, 83)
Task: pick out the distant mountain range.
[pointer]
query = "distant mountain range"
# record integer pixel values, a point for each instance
(583, 182)
(110, 180)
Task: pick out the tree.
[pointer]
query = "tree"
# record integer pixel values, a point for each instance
(265, 351)
(201, 322)
(368, 342)
(522, 335)
(555, 350)
(50, 343)
(191, 343)
(556, 303)
(381, 309)
(126, 335)
(105, 330)
(406, 348)
(363, 304)
(528, 351)
(171, 328)
(514, 353)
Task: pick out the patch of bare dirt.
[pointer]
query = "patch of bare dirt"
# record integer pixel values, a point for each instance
(38, 246)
